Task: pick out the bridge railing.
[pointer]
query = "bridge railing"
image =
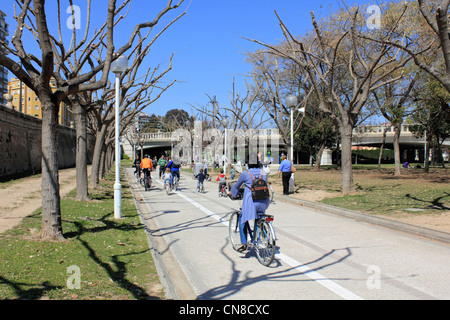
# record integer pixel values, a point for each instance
(267, 133)
(157, 136)
(379, 129)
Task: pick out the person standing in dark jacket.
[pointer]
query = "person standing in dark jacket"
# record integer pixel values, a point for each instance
(137, 165)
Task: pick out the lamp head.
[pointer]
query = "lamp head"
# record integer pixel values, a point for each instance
(225, 121)
(120, 65)
(291, 101)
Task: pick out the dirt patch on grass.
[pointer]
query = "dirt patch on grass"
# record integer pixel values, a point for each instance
(23, 197)
(415, 197)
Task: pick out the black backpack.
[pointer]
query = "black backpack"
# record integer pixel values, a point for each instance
(259, 187)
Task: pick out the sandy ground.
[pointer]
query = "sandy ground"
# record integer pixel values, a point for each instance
(21, 199)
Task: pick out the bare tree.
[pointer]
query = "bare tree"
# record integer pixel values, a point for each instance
(244, 111)
(135, 96)
(272, 84)
(343, 70)
(394, 103)
(37, 72)
(426, 38)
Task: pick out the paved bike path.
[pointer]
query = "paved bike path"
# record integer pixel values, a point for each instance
(320, 256)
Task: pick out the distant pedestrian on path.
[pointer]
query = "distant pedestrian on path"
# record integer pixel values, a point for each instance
(162, 162)
(285, 172)
(137, 165)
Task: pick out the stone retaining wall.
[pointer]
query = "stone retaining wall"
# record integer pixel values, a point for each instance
(20, 144)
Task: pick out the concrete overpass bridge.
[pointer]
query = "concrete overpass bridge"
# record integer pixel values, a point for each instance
(156, 144)
(411, 147)
(373, 136)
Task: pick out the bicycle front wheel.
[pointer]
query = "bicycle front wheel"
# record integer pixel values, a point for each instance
(235, 237)
(271, 193)
(265, 243)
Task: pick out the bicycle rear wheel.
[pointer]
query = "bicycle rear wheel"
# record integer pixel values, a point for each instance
(265, 243)
(233, 228)
(167, 187)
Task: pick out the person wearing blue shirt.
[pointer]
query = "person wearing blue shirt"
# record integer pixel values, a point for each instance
(285, 171)
(174, 165)
(250, 207)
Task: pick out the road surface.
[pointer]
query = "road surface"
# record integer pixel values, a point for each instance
(320, 255)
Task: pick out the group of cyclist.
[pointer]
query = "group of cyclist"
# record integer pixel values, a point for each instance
(147, 166)
(168, 169)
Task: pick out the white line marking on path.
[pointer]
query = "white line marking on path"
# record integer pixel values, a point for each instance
(313, 275)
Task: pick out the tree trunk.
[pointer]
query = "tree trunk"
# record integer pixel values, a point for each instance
(348, 186)
(51, 206)
(427, 154)
(97, 158)
(380, 156)
(319, 157)
(109, 157)
(81, 156)
(397, 130)
(101, 170)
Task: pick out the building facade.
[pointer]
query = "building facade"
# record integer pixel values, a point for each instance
(25, 100)
(3, 71)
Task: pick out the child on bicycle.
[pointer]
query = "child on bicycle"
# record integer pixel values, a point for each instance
(167, 176)
(222, 178)
(201, 177)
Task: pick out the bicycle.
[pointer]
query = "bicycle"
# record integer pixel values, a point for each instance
(271, 192)
(201, 188)
(137, 173)
(167, 187)
(141, 179)
(146, 180)
(223, 190)
(175, 183)
(263, 238)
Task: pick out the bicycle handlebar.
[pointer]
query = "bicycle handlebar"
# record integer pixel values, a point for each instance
(240, 195)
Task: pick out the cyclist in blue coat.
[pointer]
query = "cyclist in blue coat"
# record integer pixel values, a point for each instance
(250, 207)
(174, 165)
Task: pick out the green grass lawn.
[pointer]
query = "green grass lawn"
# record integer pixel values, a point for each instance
(111, 257)
(380, 192)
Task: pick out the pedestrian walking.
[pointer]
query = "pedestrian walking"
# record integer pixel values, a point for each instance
(162, 162)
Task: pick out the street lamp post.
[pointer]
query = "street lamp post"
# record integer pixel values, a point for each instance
(118, 67)
(225, 123)
(292, 103)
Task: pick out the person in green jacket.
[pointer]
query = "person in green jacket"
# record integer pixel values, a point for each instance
(162, 163)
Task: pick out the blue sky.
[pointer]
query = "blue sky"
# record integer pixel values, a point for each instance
(207, 42)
